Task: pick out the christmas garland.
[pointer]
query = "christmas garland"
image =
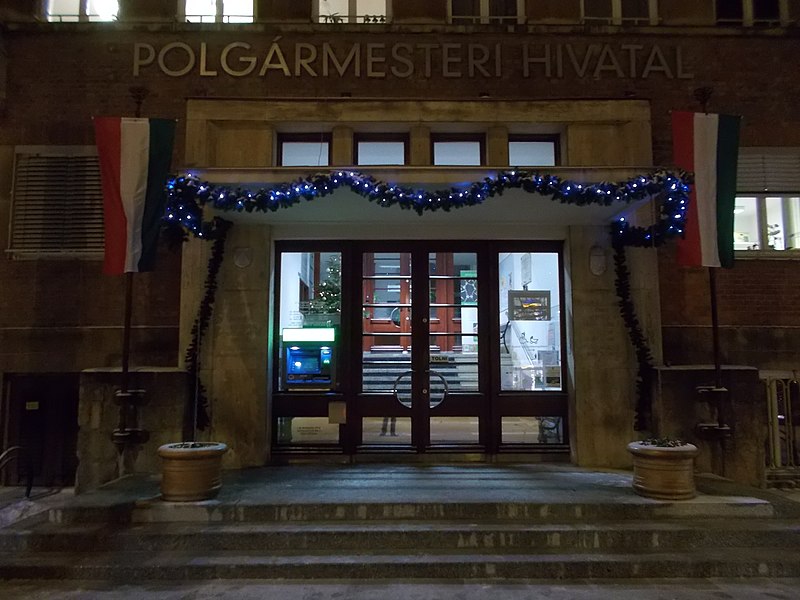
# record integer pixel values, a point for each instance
(200, 418)
(644, 358)
(187, 195)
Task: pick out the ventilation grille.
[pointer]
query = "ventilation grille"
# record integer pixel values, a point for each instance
(57, 204)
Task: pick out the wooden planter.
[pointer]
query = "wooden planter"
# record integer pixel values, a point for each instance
(663, 473)
(191, 471)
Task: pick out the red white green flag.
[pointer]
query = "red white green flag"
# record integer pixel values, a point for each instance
(135, 157)
(708, 146)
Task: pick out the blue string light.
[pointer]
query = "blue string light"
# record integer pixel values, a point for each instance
(187, 194)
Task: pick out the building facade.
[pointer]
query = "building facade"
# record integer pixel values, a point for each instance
(345, 327)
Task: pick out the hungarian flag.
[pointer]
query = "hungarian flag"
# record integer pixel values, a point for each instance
(135, 157)
(708, 146)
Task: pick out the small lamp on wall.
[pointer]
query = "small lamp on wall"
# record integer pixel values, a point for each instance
(597, 260)
(243, 257)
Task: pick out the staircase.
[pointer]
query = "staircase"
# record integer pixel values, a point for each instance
(381, 370)
(245, 538)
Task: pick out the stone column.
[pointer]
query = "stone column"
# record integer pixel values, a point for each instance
(420, 142)
(603, 376)
(497, 146)
(235, 353)
(342, 146)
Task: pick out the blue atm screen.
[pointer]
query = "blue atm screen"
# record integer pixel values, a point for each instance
(305, 365)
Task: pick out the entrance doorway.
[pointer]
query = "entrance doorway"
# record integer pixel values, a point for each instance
(419, 347)
(39, 413)
(420, 351)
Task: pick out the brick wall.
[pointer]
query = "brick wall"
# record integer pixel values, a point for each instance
(60, 76)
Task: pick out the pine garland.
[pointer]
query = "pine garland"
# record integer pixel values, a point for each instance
(200, 417)
(644, 357)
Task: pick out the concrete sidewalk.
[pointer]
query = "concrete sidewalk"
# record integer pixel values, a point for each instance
(677, 589)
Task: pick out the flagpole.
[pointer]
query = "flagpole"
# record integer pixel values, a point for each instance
(138, 94)
(703, 95)
(128, 433)
(717, 394)
(712, 281)
(126, 333)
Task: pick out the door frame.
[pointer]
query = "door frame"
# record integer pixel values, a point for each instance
(490, 404)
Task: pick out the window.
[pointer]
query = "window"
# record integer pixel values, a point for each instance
(486, 11)
(82, 10)
(752, 12)
(57, 202)
(729, 11)
(767, 209)
(215, 11)
(618, 12)
(766, 11)
(532, 151)
(352, 11)
(529, 294)
(304, 150)
(378, 149)
(457, 150)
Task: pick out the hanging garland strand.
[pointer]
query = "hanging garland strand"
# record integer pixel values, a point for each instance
(674, 203)
(644, 357)
(187, 194)
(201, 418)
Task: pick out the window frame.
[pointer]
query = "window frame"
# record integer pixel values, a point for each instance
(552, 138)
(323, 137)
(770, 172)
(762, 223)
(748, 15)
(352, 16)
(484, 16)
(219, 17)
(458, 137)
(617, 18)
(403, 138)
(83, 15)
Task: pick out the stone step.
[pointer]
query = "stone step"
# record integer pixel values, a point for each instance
(199, 564)
(215, 511)
(709, 507)
(380, 536)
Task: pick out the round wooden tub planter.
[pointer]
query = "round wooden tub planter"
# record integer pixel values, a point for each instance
(191, 471)
(663, 469)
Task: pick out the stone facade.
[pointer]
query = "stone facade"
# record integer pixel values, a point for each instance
(55, 77)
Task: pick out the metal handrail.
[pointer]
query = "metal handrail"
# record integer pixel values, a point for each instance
(8, 455)
(781, 410)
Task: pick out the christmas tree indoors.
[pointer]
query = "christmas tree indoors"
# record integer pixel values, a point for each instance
(328, 296)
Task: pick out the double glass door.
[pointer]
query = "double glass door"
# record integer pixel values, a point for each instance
(420, 376)
(418, 346)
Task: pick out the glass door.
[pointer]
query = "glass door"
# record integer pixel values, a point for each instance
(419, 343)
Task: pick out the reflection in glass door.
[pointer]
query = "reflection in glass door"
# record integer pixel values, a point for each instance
(425, 360)
(386, 343)
(453, 333)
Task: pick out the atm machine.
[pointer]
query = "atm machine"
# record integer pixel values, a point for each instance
(308, 358)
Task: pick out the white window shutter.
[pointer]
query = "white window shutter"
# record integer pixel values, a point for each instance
(775, 170)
